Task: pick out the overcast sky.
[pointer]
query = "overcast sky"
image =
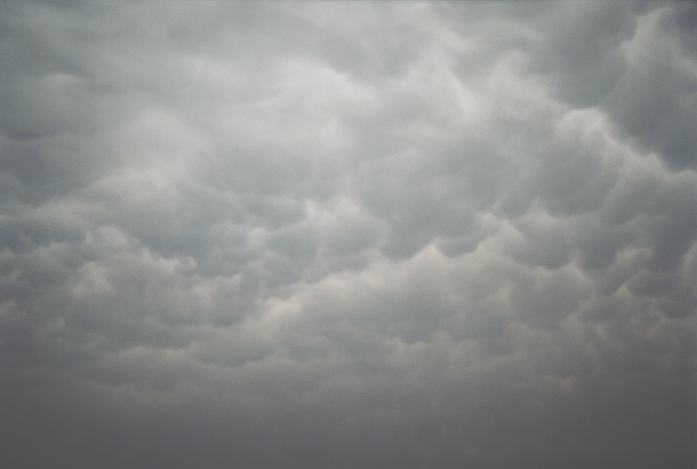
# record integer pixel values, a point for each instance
(348, 235)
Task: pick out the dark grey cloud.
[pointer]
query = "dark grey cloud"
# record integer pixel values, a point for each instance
(349, 234)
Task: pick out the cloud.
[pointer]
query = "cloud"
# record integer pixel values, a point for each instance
(379, 235)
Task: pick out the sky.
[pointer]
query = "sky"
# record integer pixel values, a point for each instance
(348, 235)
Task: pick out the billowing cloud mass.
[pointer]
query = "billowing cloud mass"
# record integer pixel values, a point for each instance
(348, 235)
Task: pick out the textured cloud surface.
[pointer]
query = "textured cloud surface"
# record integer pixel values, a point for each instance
(340, 235)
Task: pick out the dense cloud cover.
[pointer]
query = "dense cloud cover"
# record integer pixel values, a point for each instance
(340, 235)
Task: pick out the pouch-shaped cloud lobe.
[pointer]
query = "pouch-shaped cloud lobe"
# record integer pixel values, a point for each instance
(381, 235)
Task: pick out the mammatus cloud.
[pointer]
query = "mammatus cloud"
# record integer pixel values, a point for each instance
(348, 235)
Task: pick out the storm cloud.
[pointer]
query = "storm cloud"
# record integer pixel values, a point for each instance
(362, 234)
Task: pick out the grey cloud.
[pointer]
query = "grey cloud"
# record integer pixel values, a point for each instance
(635, 67)
(380, 235)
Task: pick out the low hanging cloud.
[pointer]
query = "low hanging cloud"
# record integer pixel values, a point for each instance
(348, 235)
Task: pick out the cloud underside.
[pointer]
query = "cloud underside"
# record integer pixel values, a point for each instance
(382, 235)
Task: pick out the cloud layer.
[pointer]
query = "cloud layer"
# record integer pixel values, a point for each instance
(382, 235)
